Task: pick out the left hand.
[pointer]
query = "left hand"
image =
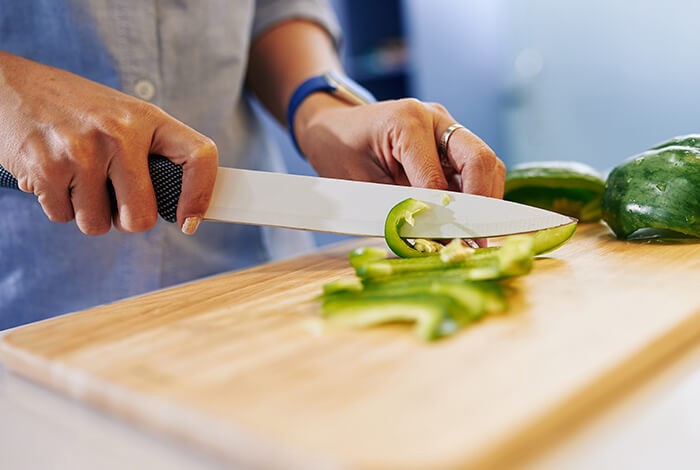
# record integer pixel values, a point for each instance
(395, 142)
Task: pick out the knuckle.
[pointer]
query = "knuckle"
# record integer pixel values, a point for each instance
(58, 215)
(412, 115)
(82, 158)
(411, 107)
(437, 108)
(32, 179)
(140, 223)
(486, 154)
(499, 166)
(41, 178)
(94, 227)
(55, 209)
(143, 112)
(206, 150)
(75, 145)
(147, 110)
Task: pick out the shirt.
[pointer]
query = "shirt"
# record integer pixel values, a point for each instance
(187, 56)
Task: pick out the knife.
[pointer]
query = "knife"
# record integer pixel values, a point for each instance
(341, 206)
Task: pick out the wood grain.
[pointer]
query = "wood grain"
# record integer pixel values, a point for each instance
(241, 366)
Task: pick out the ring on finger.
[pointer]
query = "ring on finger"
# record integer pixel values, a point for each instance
(444, 141)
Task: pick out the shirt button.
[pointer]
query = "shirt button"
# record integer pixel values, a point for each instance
(145, 89)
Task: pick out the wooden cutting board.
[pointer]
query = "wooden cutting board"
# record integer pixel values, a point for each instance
(240, 365)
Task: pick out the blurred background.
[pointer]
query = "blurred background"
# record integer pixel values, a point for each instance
(586, 80)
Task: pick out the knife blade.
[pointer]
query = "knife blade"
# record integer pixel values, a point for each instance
(360, 208)
(342, 206)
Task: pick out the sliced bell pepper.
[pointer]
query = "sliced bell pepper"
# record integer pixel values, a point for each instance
(548, 240)
(403, 213)
(439, 292)
(363, 255)
(429, 312)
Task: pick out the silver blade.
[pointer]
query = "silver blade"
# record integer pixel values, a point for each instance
(358, 208)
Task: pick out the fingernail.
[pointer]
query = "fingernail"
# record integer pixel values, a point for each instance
(190, 225)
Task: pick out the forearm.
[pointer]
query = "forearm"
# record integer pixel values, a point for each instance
(386, 142)
(283, 57)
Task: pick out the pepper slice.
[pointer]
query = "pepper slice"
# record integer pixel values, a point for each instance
(439, 292)
(549, 240)
(512, 258)
(363, 255)
(570, 188)
(658, 189)
(475, 299)
(437, 304)
(429, 312)
(403, 213)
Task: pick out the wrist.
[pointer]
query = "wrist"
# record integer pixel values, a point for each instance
(309, 113)
(320, 93)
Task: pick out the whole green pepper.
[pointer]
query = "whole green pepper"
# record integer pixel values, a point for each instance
(658, 189)
(570, 188)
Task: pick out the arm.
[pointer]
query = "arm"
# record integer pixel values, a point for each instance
(63, 136)
(389, 142)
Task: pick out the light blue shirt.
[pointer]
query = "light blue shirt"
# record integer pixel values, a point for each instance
(186, 56)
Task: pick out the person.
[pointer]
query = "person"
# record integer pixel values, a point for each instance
(90, 88)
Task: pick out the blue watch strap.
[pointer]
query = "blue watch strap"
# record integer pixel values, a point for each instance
(329, 83)
(312, 85)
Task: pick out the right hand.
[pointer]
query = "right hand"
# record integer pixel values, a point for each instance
(63, 136)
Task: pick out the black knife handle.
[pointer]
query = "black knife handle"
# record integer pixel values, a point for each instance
(166, 177)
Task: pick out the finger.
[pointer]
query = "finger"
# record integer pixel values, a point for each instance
(56, 203)
(133, 190)
(91, 203)
(199, 159)
(414, 147)
(397, 174)
(46, 180)
(51, 190)
(481, 171)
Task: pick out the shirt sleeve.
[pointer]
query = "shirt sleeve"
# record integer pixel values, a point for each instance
(270, 12)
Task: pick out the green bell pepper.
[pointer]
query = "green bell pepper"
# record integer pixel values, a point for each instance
(658, 190)
(570, 188)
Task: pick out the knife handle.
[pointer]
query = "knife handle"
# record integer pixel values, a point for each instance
(166, 177)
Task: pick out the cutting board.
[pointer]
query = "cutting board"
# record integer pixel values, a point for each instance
(241, 366)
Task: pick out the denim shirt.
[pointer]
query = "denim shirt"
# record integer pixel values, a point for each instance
(189, 58)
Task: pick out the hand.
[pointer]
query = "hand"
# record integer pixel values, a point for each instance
(63, 137)
(395, 142)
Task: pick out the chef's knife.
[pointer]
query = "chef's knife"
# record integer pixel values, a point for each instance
(341, 206)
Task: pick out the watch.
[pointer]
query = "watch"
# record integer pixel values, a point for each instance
(333, 83)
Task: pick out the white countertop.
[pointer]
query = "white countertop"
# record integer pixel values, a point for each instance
(655, 424)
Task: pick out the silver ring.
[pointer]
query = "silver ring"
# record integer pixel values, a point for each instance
(444, 140)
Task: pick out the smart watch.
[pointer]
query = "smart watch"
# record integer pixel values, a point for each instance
(333, 83)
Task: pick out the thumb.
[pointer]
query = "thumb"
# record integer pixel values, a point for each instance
(199, 158)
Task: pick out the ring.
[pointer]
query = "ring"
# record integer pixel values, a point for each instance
(444, 140)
